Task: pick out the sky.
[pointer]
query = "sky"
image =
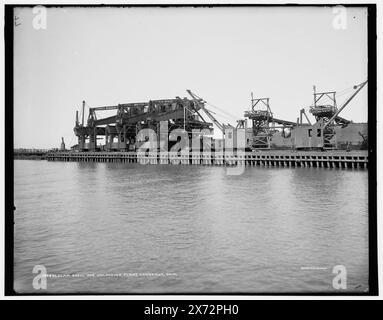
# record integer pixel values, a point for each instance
(108, 56)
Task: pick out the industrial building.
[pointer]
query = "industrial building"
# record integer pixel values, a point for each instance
(120, 132)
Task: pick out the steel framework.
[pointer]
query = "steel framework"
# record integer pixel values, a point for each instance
(264, 125)
(130, 118)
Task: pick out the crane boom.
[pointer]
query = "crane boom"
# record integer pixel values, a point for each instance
(346, 103)
(198, 100)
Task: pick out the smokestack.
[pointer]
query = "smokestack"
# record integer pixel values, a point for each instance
(83, 111)
(62, 147)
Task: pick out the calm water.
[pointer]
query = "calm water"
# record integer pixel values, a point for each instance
(108, 227)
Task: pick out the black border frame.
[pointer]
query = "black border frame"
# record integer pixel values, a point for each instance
(372, 173)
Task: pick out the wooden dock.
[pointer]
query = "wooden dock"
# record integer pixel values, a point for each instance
(356, 159)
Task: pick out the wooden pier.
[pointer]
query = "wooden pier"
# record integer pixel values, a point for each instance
(29, 154)
(270, 158)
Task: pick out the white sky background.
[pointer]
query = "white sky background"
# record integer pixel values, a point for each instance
(107, 56)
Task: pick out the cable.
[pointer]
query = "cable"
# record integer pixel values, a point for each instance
(343, 92)
(224, 116)
(222, 111)
(346, 89)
